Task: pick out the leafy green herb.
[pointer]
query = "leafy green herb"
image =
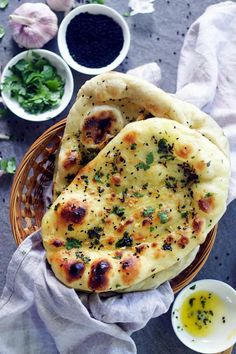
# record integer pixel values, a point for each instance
(3, 4)
(117, 257)
(2, 32)
(125, 241)
(142, 166)
(95, 234)
(8, 165)
(164, 218)
(72, 242)
(184, 214)
(149, 158)
(191, 300)
(126, 14)
(35, 84)
(192, 287)
(97, 177)
(149, 161)
(82, 256)
(119, 211)
(152, 228)
(137, 195)
(208, 194)
(133, 146)
(165, 149)
(148, 211)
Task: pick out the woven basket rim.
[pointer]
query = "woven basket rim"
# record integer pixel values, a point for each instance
(16, 198)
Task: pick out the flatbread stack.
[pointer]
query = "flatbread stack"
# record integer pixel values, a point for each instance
(140, 180)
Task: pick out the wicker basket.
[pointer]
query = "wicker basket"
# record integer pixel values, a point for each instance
(27, 203)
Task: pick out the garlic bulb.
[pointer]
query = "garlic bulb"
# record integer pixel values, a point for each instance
(60, 5)
(33, 25)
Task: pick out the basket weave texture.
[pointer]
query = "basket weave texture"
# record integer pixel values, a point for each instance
(27, 205)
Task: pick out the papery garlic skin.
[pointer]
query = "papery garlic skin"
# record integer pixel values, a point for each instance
(33, 25)
(61, 5)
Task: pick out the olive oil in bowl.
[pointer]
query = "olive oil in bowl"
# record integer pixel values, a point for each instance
(200, 313)
(204, 316)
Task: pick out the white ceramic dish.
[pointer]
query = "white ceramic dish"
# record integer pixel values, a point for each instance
(224, 334)
(62, 69)
(93, 9)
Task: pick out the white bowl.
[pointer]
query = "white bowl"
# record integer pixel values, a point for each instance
(93, 9)
(223, 335)
(62, 69)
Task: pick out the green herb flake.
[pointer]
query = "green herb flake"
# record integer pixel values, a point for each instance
(100, 2)
(97, 177)
(191, 300)
(142, 166)
(152, 228)
(133, 146)
(3, 4)
(184, 214)
(2, 32)
(192, 287)
(80, 255)
(72, 242)
(165, 150)
(125, 241)
(164, 218)
(137, 195)
(148, 211)
(126, 14)
(8, 165)
(149, 158)
(119, 211)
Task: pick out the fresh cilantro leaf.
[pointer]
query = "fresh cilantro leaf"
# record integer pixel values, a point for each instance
(35, 84)
(101, 2)
(148, 211)
(97, 177)
(119, 211)
(149, 158)
(125, 241)
(164, 218)
(142, 166)
(8, 165)
(2, 32)
(3, 4)
(138, 195)
(133, 146)
(72, 242)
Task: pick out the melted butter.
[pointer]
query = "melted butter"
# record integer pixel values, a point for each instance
(200, 312)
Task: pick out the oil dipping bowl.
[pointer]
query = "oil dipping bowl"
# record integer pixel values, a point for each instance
(204, 316)
(93, 39)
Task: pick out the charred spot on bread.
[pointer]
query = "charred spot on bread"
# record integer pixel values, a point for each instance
(73, 211)
(98, 127)
(99, 275)
(75, 271)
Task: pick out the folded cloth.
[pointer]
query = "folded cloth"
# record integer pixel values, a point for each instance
(206, 71)
(38, 314)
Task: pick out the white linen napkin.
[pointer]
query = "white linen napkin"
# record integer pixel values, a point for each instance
(38, 314)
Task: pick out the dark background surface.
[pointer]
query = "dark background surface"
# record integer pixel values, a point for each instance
(155, 37)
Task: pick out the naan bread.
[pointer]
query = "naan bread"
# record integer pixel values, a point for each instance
(105, 104)
(146, 201)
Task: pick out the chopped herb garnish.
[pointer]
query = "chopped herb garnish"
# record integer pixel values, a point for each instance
(148, 211)
(3, 4)
(72, 242)
(192, 287)
(191, 300)
(35, 84)
(85, 178)
(164, 218)
(165, 149)
(149, 158)
(83, 257)
(152, 228)
(133, 146)
(208, 163)
(8, 165)
(95, 234)
(189, 174)
(125, 241)
(119, 211)
(142, 166)
(208, 194)
(97, 177)
(184, 214)
(137, 195)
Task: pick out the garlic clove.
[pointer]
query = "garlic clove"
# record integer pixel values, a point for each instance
(61, 5)
(33, 25)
